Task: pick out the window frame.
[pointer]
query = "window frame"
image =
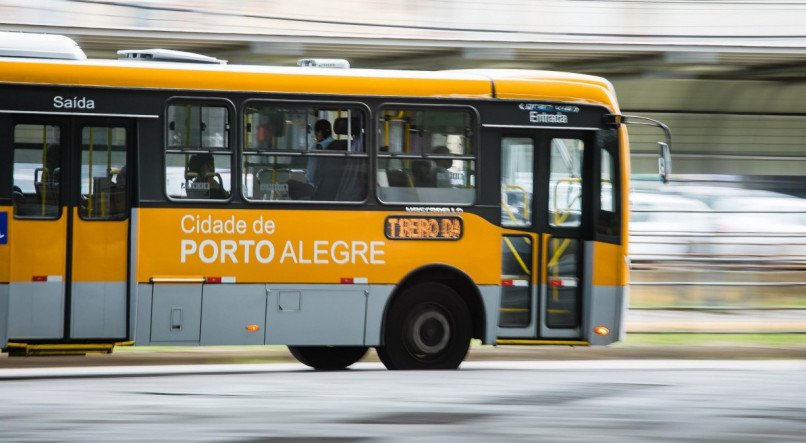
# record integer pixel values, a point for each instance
(232, 119)
(328, 104)
(377, 155)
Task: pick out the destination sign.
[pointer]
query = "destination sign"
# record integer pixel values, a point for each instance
(410, 227)
(545, 114)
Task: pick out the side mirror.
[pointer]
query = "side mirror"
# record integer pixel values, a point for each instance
(665, 157)
(664, 162)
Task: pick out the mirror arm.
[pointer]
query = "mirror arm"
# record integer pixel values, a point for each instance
(664, 160)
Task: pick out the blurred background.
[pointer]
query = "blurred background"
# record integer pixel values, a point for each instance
(721, 249)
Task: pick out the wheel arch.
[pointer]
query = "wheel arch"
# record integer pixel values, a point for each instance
(451, 277)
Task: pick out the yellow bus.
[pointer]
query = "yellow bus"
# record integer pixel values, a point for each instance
(167, 198)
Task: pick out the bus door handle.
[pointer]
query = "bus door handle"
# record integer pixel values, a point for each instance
(176, 319)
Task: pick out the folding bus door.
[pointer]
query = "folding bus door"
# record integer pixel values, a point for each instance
(37, 227)
(100, 230)
(69, 231)
(545, 268)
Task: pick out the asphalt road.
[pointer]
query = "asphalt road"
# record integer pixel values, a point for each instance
(484, 401)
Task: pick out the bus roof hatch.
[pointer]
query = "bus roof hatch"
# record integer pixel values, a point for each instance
(168, 55)
(30, 45)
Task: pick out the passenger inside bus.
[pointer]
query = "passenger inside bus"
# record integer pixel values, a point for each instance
(118, 193)
(432, 173)
(340, 178)
(202, 180)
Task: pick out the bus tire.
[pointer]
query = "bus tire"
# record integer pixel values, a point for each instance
(328, 358)
(427, 327)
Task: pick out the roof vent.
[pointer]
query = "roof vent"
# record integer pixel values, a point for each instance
(167, 55)
(29, 45)
(324, 63)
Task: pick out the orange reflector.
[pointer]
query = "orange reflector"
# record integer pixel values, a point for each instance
(601, 330)
(252, 328)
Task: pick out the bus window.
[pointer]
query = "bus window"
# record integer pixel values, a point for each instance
(565, 182)
(608, 216)
(37, 171)
(517, 171)
(426, 156)
(103, 173)
(306, 152)
(198, 159)
(607, 198)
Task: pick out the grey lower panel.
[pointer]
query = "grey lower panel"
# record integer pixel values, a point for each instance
(491, 297)
(3, 315)
(316, 314)
(254, 314)
(98, 310)
(233, 315)
(141, 314)
(176, 313)
(36, 310)
(608, 308)
(376, 307)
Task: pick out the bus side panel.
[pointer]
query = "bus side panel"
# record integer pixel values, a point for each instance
(491, 297)
(608, 298)
(377, 302)
(607, 308)
(36, 310)
(256, 314)
(142, 314)
(316, 314)
(233, 314)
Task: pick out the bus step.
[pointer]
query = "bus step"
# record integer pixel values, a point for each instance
(47, 349)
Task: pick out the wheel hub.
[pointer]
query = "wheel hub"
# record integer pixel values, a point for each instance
(431, 332)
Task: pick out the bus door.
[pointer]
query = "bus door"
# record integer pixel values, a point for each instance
(70, 229)
(545, 270)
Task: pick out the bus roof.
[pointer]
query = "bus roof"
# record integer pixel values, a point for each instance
(469, 84)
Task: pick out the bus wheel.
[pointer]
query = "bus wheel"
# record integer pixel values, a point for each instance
(328, 358)
(428, 327)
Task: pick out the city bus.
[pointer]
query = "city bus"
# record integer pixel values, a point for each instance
(170, 198)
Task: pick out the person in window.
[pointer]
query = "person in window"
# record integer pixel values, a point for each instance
(323, 133)
(442, 175)
(53, 163)
(202, 172)
(118, 194)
